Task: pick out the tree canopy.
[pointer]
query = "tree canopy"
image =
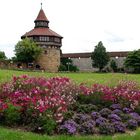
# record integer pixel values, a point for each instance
(100, 57)
(2, 55)
(133, 61)
(27, 51)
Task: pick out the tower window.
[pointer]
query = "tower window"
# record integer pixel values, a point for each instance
(45, 52)
(56, 39)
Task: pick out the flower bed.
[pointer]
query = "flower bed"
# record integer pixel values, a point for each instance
(58, 106)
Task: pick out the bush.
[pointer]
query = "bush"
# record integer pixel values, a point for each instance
(86, 108)
(106, 128)
(62, 68)
(114, 118)
(100, 121)
(113, 65)
(68, 127)
(68, 115)
(105, 112)
(12, 115)
(132, 124)
(40, 94)
(80, 118)
(119, 127)
(43, 124)
(87, 127)
(95, 115)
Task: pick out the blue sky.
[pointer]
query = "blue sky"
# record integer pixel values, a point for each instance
(82, 23)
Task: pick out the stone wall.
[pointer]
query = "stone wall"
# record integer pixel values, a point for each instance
(49, 60)
(85, 64)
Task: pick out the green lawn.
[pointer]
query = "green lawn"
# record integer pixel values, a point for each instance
(89, 78)
(9, 134)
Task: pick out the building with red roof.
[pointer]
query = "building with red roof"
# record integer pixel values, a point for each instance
(49, 40)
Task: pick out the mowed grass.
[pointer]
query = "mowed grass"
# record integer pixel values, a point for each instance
(88, 78)
(10, 134)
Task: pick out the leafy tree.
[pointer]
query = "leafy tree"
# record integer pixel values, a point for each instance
(113, 65)
(67, 65)
(2, 55)
(27, 51)
(133, 61)
(99, 57)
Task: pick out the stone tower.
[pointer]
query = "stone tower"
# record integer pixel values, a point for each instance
(49, 40)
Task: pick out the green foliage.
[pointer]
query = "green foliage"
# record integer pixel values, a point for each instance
(100, 57)
(27, 51)
(106, 128)
(113, 65)
(67, 65)
(2, 55)
(86, 108)
(68, 115)
(62, 68)
(133, 61)
(12, 115)
(43, 124)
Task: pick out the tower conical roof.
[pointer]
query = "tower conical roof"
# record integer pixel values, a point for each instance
(41, 16)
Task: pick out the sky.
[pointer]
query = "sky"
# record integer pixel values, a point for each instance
(82, 23)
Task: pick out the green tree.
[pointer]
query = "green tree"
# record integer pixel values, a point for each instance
(100, 57)
(133, 61)
(67, 65)
(113, 65)
(2, 55)
(27, 51)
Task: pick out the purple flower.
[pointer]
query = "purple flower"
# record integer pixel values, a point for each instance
(105, 112)
(106, 128)
(119, 127)
(114, 117)
(132, 124)
(100, 121)
(135, 116)
(117, 111)
(127, 110)
(69, 127)
(115, 106)
(80, 118)
(95, 115)
(87, 127)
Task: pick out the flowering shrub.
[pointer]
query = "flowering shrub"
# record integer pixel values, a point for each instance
(105, 112)
(106, 128)
(115, 106)
(87, 127)
(114, 118)
(56, 105)
(127, 110)
(69, 127)
(80, 118)
(100, 121)
(119, 127)
(40, 94)
(95, 115)
(126, 93)
(117, 111)
(132, 124)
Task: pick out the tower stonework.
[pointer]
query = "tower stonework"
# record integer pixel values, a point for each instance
(48, 40)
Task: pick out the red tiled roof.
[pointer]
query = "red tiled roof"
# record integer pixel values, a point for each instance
(41, 32)
(88, 54)
(41, 16)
